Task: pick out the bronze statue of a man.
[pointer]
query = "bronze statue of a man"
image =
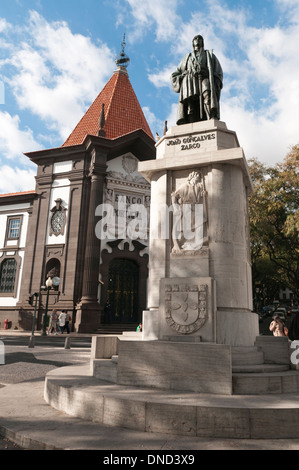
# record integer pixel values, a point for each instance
(198, 79)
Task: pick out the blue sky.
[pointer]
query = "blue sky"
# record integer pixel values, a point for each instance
(56, 56)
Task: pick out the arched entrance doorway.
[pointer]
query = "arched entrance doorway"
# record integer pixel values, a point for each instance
(123, 283)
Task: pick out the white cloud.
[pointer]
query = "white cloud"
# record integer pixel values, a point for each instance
(266, 139)
(160, 13)
(171, 119)
(17, 171)
(58, 73)
(162, 77)
(270, 126)
(16, 179)
(14, 141)
(55, 75)
(155, 124)
(289, 6)
(4, 25)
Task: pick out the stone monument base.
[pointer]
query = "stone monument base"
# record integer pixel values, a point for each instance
(199, 285)
(194, 367)
(151, 400)
(234, 328)
(237, 328)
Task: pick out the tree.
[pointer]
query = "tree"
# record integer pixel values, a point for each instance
(274, 223)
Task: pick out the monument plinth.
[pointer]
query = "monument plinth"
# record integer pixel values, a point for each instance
(199, 262)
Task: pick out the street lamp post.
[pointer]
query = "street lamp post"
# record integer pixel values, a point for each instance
(36, 295)
(31, 339)
(48, 285)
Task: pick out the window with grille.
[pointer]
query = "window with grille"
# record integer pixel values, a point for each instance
(8, 270)
(57, 222)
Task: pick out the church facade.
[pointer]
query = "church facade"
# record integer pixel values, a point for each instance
(52, 231)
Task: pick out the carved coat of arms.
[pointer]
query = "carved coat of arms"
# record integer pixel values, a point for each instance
(129, 163)
(186, 307)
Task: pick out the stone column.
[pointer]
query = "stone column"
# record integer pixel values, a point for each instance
(229, 251)
(88, 312)
(159, 253)
(157, 245)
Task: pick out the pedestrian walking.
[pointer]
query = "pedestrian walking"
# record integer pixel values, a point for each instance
(61, 320)
(53, 323)
(67, 322)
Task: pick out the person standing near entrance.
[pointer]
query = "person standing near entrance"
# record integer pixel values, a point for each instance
(61, 321)
(107, 312)
(67, 322)
(53, 323)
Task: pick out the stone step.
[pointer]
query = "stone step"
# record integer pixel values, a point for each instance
(104, 369)
(246, 356)
(275, 349)
(259, 368)
(266, 383)
(116, 328)
(246, 380)
(172, 412)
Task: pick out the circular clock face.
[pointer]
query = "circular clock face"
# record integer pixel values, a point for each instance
(57, 221)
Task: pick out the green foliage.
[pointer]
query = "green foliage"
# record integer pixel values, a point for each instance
(274, 223)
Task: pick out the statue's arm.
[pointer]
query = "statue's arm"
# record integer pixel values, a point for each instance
(177, 76)
(176, 79)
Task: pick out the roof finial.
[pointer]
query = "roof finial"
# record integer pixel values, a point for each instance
(123, 44)
(122, 60)
(101, 131)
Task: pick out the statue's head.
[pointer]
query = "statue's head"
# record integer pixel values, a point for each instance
(197, 42)
(194, 177)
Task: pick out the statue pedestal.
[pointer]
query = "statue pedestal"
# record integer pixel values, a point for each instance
(201, 290)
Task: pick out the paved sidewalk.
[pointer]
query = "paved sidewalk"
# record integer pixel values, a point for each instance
(6, 444)
(27, 420)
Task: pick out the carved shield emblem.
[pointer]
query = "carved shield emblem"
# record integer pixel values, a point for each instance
(186, 307)
(129, 163)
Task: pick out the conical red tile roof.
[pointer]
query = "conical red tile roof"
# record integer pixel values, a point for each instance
(123, 113)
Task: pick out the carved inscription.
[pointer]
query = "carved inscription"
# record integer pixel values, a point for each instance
(186, 307)
(192, 141)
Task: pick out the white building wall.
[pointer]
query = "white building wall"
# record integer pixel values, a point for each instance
(13, 210)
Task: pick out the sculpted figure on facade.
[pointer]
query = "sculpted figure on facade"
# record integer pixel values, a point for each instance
(199, 80)
(190, 214)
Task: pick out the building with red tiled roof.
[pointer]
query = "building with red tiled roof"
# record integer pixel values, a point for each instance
(122, 112)
(21, 193)
(56, 232)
